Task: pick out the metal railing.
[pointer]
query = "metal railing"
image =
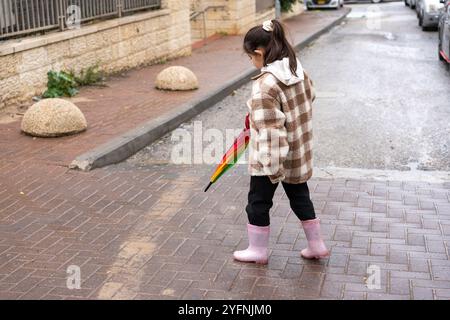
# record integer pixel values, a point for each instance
(22, 17)
(263, 5)
(195, 14)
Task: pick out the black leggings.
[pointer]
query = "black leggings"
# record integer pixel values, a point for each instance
(260, 200)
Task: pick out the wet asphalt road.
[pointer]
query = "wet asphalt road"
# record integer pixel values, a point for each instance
(383, 96)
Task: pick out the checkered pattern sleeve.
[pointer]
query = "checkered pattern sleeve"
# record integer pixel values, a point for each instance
(269, 124)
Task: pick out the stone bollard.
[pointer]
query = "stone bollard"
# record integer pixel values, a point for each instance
(53, 118)
(176, 78)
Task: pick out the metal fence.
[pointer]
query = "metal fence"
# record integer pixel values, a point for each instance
(22, 17)
(263, 5)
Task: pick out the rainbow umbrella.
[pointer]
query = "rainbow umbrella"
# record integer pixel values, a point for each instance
(232, 155)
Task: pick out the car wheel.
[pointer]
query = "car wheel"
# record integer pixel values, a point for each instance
(376, 1)
(406, 4)
(413, 6)
(420, 21)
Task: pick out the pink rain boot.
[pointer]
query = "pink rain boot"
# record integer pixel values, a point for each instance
(316, 248)
(258, 239)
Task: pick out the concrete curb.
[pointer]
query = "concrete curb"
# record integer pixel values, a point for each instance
(127, 144)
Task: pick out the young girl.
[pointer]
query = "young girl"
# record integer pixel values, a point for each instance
(280, 140)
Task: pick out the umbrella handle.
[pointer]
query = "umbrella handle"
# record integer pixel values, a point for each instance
(209, 185)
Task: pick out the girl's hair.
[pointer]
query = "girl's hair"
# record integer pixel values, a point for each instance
(274, 42)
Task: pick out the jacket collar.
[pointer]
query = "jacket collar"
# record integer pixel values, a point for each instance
(280, 69)
(258, 75)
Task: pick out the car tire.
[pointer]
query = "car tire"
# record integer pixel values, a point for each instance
(420, 21)
(413, 7)
(406, 4)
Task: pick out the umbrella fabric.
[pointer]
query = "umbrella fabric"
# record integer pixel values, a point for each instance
(233, 154)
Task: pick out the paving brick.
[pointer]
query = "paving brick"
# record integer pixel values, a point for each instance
(36, 293)
(26, 284)
(163, 277)
(176, 288)
(382, 296)
(436, 246)
(194, 294)
(442, 293)
(294, 291)
(440, 272)
(244, 285)
(423, 293)
(332, 290)
(9, 295)
(399, 286)
(357, 267)
(18, 275)
(292, 271)
(378, 249)
(411, 275)
(428, 255)
(354, 295)
(70, 293)
(419, 265)
(416, 239)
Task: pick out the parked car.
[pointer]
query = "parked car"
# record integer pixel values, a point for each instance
(373, 1)
(429, 13)
(444, 32)
(318, 4)
(410, 3)
(418, 5)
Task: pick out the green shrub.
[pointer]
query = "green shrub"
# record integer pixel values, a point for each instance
(60, 84)
(65, 84)
(286, 5)
(89, 76)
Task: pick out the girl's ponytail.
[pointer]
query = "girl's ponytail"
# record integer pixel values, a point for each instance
(272, 38)
(279, 47)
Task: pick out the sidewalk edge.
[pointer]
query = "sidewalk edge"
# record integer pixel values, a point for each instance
(127, 144)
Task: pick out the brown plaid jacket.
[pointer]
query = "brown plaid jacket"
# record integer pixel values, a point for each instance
(281, 129)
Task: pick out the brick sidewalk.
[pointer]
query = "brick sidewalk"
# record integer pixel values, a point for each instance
(154, 234)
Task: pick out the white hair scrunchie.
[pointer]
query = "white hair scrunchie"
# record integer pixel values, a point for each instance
(268, 25)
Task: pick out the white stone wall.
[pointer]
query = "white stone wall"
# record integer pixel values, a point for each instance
(237, 17)
(117, 45)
